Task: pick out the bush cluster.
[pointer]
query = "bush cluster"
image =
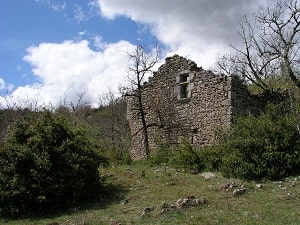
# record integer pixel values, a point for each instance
(164, 152)
(183, 156)
(186, 157)
(257, 147)
(267, 146)
(45, 166)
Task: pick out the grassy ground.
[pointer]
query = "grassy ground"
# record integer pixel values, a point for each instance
(157, 187)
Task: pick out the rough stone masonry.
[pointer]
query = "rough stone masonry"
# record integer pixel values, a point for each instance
(184, 100)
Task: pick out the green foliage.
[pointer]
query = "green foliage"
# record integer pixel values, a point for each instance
(274, 82)
(45, 166)
(164, 152)
(211, 156)
(182, 156)
(267, 146)
(185, 157)
(114, 154)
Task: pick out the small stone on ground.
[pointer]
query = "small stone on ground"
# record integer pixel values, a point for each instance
(208, 175)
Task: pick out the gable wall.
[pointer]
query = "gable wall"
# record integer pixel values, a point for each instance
(213, 101)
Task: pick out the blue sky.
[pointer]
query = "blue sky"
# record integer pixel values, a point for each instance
(29, 22)
(52, 50)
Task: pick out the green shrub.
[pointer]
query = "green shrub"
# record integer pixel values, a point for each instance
(182, 156)
(185, 157)
(114, 155)
(164, 152)
(267, 146)
(211, 156)
(46, 167)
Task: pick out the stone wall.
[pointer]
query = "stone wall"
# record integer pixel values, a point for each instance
(184, 100)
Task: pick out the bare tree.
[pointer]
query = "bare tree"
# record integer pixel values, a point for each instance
(142, 61)
(76, 109)
(114, 123)
(270, 46)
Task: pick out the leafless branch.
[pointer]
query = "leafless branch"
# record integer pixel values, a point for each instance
(270, 46)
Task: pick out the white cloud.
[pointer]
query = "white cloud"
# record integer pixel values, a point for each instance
(4, 87)
(2, 84)
(98, 42)
(81, 11)
(197, 29)
(58, 6)
(84, 12)
(79, 14)
(82, 32)
(68, 69)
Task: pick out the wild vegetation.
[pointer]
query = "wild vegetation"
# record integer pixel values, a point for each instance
(82, 155)
(62, 154)
(43, 161)
(140, 186)
(261, 147)
(73, 161)
(47, 156)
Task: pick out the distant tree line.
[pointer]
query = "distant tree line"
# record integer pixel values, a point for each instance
(105, 125)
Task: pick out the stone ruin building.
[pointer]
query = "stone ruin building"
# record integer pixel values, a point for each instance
(184, 100)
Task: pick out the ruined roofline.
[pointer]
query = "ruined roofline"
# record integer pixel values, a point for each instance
(173, 60)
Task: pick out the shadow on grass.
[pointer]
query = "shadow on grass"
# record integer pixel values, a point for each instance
(108, 195)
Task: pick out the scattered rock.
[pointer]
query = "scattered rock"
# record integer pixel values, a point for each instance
(239, 191)
(259, 185)
(181, 203)
(190, 202)
(200, 201)
(228, 187)
(293, 183)
(208, 175)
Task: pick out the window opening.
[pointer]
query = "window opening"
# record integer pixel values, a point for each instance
(183, 85)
